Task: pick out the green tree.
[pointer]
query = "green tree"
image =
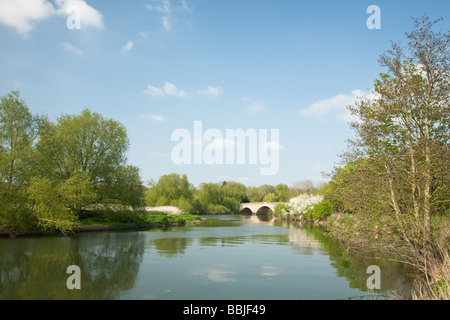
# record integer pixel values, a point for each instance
(19, 131)
(49, 208)
(401, 151)
(170, 190)
(236, 191)
(211, 198)
(93, 144)
(257, 194)
(270, 197)
(282, 192)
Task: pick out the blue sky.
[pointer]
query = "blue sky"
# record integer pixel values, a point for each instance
(159, 65)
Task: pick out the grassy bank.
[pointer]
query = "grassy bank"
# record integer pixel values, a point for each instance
(104, 220)
(107, 219)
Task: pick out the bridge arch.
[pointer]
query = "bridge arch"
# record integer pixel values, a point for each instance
(246, 211)
(258, 208)
(263, 210)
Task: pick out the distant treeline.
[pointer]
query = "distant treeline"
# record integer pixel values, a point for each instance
(52, 172)
(175, 190)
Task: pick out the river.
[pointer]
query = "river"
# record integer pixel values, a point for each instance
(228, 257)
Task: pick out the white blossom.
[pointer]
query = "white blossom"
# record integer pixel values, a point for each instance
(303, 203)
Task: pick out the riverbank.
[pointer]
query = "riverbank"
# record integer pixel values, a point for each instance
(106, 220)
(430, 268)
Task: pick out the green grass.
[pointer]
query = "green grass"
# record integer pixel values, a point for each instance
(136, 218)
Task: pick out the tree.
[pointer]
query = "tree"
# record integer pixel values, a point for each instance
(92, 144)
(211, 198)
(170, 190)
(57, 206)
(402, 142)
(257, 194)
(19, 131)
(303, 186)
(236, 191)
(281, 192)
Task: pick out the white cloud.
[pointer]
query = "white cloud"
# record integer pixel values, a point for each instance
(162, 6)
(23, 15)
(211, 91)
(166, 22)
(143, 34)
(155, 117)
(337, 105)
(90, 17)
(168, 13)
(70, 48)
(169, 89)
(127, 47)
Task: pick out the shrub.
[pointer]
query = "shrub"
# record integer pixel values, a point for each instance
(281, 210)
(301, 204)
(319, 211)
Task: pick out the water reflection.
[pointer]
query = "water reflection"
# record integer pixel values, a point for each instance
(216, 273)
(109, 264)
(170, 247)
(244, 251)
(264, 219)
(308, 239)
(271, 272)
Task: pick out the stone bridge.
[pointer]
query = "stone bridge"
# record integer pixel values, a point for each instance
(257, 207)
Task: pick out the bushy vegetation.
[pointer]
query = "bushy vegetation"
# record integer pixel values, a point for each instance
(216, 198)
(393, 188)
(50, 171)
(319, 211)
(133, 218)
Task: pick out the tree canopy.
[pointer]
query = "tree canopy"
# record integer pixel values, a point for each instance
(51, 171)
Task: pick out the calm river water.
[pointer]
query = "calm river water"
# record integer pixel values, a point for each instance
(230, 257)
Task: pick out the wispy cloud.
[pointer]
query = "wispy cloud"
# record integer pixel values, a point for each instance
(336, 106)
(155, 117)
(24, 15)
(70, 48)
(143, 34)
(152, 117)
(211, 91)
(166, 23)
(162, 6)
(167, 11)
(169, 89)
(253, 105)
(127, 47)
